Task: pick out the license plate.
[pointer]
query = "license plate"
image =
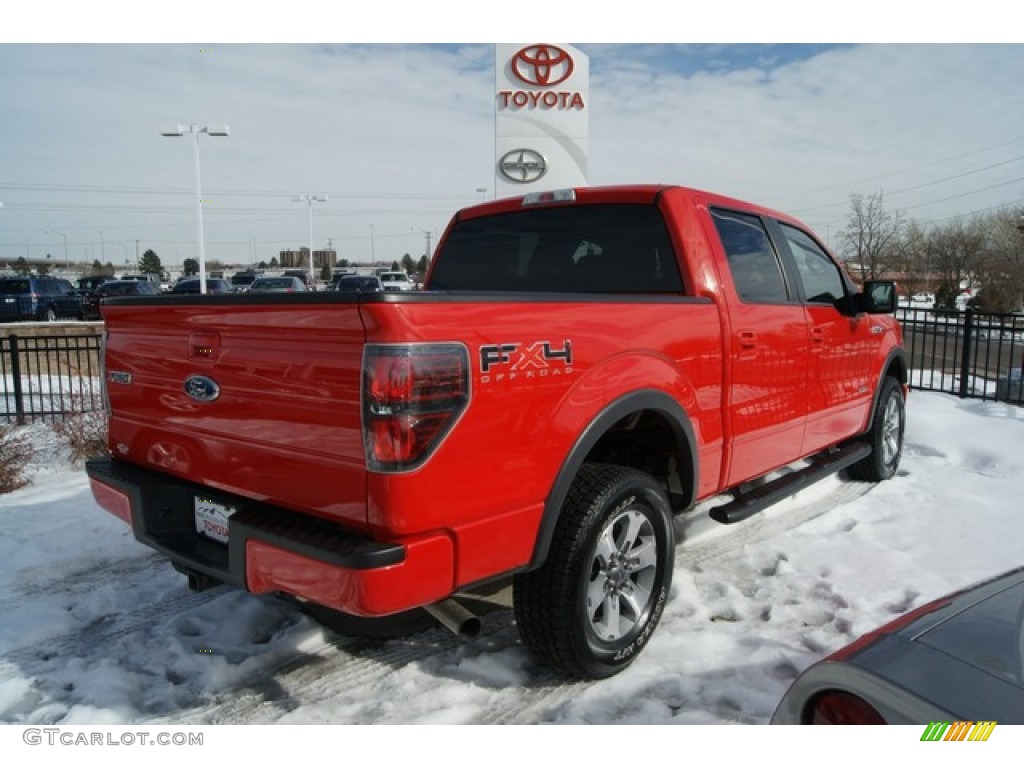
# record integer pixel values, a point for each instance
(9, 300)
(212, 518)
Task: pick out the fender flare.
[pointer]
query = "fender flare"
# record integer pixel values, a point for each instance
(897, 359)
(641, 400)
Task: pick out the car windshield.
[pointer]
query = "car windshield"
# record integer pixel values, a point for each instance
(11, 287)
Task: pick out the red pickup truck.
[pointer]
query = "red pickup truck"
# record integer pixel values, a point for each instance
(582, 366)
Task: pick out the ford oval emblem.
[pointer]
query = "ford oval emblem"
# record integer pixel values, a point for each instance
(203, 389)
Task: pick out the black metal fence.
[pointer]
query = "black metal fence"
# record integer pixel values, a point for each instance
(969, 354)
(45, 377)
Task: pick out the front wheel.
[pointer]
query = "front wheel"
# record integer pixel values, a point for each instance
(885, 436)
(593, 605)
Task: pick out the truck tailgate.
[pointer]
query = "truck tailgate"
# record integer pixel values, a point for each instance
(244, 397)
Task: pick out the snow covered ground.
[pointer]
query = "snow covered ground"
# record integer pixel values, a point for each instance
(96, 629)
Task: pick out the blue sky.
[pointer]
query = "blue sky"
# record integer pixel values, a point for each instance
(401, 135)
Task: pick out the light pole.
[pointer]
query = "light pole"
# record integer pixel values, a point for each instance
(195, 130)
(310, 199)
(67, 261)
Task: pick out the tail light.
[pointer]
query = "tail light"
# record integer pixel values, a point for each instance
(412, 396)
(841, 708)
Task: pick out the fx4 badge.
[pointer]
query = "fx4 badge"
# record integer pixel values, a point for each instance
(524, 360)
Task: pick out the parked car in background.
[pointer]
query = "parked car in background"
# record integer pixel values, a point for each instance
(38, 298)
(92, 282)
(958, 658)
(91, 302)
(277, 285)
(397, 281)
(303, 275)
(357, 284)
(240, 281)
(191, 285)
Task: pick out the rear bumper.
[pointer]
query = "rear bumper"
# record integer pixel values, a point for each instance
(271, 549)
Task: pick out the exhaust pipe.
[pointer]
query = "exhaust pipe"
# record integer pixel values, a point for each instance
(456, 618)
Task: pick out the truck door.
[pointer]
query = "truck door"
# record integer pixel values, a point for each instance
(845, 348)
(765, 397)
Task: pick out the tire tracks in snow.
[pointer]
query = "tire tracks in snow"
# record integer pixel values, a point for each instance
(325, 673)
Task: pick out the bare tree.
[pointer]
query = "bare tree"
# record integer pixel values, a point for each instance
(872, 241)
(1000, 274)
(957, 249)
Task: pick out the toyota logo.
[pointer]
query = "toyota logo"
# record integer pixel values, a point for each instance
(542, 65)
(523, 165)
(202, 389)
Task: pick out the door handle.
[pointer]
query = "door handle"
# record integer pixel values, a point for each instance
(748, 339)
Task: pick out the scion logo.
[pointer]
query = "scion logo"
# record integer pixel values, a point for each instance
(522, 360)
(202, 389)
(523, 166)
(542, 65)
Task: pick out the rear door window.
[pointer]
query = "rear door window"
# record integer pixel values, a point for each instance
(752, 260)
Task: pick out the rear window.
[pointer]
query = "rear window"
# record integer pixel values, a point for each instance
(589, 248)
(12, 287)
(358, 283)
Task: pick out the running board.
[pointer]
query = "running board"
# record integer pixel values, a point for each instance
(758, 499)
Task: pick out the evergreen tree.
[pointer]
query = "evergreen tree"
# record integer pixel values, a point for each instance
(150, 264)
(190, 267)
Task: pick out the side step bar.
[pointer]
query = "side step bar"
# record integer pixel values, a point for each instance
(758, 499)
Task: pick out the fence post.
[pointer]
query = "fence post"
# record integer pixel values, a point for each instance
(19, 402)
(965, 359)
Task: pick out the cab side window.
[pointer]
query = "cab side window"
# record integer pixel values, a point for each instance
(820, 277)
(751, 257)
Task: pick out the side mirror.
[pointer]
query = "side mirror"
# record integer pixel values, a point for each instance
(878, 297)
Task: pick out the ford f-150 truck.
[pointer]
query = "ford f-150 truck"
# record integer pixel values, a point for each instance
(582, 366)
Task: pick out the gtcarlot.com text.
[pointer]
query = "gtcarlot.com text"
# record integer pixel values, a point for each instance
(63, 737)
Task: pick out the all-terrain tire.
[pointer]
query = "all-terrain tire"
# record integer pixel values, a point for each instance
(885, 436)
(593, 605)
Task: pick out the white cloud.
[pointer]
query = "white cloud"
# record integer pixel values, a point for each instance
(402, 135)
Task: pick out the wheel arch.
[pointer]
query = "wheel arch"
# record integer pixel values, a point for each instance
(895, 367)
(609, 433)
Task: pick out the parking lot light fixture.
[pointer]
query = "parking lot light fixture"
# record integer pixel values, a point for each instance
(310, 199)
(67, 260)
(211, 129)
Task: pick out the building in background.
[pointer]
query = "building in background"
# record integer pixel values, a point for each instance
(300, 259)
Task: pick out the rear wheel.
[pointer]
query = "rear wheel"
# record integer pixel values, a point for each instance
(885, 436)
(593, 605)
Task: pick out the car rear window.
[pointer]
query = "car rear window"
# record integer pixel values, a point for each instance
(12, 287)
(618, 248)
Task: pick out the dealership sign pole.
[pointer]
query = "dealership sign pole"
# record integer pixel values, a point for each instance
(541, 128)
